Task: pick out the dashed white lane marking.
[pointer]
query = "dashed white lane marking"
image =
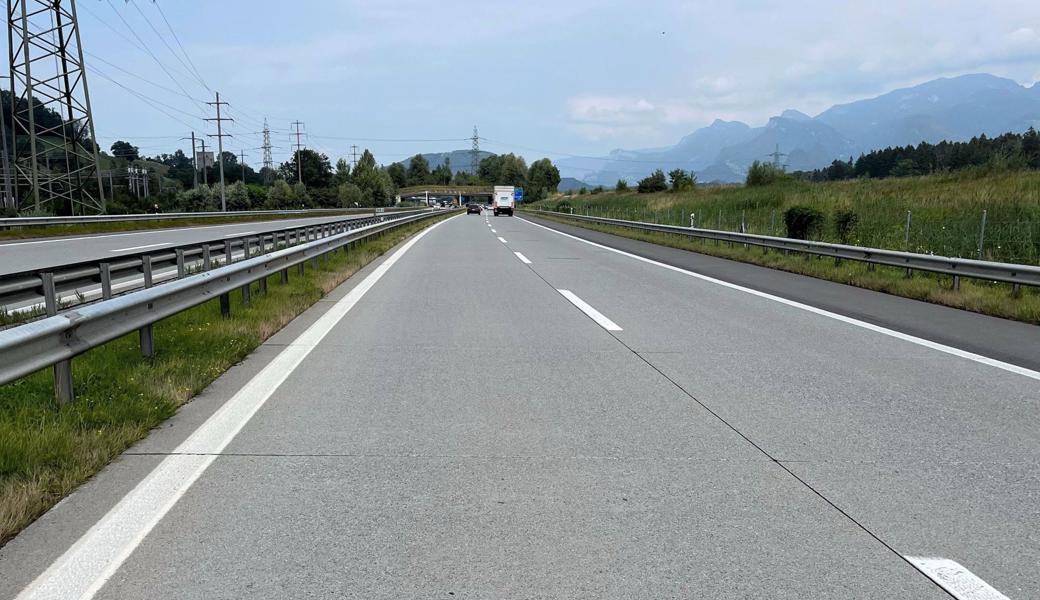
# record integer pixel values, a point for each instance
(593, 314)
(985, 360)
(95, 557)
(142, 247)
(522, 258)
(502, 239)
(955, 579)
(239, 234)
(493, 231)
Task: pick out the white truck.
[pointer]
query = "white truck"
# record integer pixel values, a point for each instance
(502, 200)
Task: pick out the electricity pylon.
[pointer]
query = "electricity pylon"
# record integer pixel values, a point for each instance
(55, 150)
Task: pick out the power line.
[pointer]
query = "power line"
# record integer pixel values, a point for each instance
(180, 45)
(147, 50)
(162, 39)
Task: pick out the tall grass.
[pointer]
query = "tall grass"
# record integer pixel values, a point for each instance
(945, 211)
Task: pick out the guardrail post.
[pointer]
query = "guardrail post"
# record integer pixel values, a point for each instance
(1016, 290)
(225, 305)
(145, 333)
(63, 391)
(207, 260)
(284, 276)
(227, 252)
(956, 282)
(180, 262)
(263, 285)
(106, 281)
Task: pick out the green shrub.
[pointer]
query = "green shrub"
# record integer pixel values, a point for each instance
(653, 183)
(621, 186)
(763, 173)
(803, 222)
(844, 223)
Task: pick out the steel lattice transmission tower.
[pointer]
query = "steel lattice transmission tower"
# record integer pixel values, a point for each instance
(268, 167)
(474, 157)
(55, 151)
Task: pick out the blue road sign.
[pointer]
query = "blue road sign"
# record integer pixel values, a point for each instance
(518, 194)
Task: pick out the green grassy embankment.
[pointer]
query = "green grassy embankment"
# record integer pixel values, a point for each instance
(946, 218)
(946, 211)
(47, 450)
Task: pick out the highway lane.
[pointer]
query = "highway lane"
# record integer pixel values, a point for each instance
(468, 429)
(28, 255)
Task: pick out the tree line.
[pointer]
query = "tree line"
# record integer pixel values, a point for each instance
(1010, 150)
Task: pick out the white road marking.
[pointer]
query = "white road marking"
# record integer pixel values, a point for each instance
(502, 239)
(955, 579)
(522, 258)
(239, 233)
(142, 247)
(985, 360)
(493, 231)
(95, 557)
(593, 314)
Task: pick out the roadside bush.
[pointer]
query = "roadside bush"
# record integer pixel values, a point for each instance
(803, 222)
(844, 224)
(238, 196)
(656, 182)
(597, 190)
(621, 186)
(582, 192)
(762, 173)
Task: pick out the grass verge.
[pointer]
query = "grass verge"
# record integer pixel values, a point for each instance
(46, 450)
(976, 296)
(24, 233)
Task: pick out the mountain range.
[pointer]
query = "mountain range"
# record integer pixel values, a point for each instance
(954, 109)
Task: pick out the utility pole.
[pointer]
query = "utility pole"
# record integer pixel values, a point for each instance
(42, 33)
(194, 161)
(205, 173)
(220, 145)
(299, 155)
(268, 167)
(353, 153)
(242, 162)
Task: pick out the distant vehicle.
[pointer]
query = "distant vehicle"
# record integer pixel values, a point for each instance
(473, 207)
(502, 200)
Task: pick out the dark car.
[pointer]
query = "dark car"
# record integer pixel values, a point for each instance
(473, 207)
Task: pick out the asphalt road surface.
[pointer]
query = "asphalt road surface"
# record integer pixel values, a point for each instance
(29, 255)
(498, 410)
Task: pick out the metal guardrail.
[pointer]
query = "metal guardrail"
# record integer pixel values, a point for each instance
(1014, 274)
(74, 283)
(86, 219)
(54, 341)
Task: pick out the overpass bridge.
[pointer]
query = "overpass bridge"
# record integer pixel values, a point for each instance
(456, 192)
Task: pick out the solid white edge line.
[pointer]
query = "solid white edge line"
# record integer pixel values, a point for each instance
(160, 245)
(985, 360)
(522, 258)
(592, 313)
(502, 239)
(955, 578)
(89, 563)
(240, 233)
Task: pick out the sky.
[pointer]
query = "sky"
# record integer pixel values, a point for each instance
(539, 77)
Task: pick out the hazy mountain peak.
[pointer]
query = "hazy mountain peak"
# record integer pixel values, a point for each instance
(795, 115)
(949, 108)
